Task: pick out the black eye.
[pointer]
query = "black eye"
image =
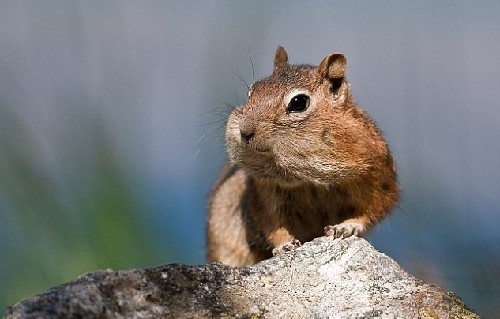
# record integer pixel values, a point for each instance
(298, 103)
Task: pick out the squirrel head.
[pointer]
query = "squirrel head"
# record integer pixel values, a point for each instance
(300, 125)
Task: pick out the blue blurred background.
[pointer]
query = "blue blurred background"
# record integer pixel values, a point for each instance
(112, 116)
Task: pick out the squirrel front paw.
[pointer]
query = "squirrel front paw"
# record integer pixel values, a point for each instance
(345, 229)
(288, 246)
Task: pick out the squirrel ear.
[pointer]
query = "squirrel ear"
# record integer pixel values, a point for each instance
(280, 59)
(333, 66)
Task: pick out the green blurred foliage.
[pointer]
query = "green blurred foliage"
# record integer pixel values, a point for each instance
(54, 230)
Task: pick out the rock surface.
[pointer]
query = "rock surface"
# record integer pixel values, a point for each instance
(343, 278)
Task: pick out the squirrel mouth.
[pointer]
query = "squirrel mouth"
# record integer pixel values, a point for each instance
(258, 148)
(261, 150)
(256, 157)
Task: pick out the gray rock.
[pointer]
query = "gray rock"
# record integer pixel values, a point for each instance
(343, 278)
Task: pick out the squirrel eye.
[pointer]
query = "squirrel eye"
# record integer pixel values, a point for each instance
(298, 103)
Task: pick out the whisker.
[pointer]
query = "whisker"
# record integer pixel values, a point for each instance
(215, 121)
(251, 63)
(242, 80)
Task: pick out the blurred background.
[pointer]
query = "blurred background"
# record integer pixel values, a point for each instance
(112, 128)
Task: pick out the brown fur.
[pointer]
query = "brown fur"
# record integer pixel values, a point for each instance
(294, 176)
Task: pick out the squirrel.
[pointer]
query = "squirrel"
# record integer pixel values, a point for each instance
(304, 161)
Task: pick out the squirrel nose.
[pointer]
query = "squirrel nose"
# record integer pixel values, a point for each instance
(247, 131)
(246, 135)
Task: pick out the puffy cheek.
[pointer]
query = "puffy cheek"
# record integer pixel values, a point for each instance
(299, 143)
(306, 156)
(327, 138)
(292, 152)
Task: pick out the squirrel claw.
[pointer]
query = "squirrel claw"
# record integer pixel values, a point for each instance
(345, 229)
(288, 246)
